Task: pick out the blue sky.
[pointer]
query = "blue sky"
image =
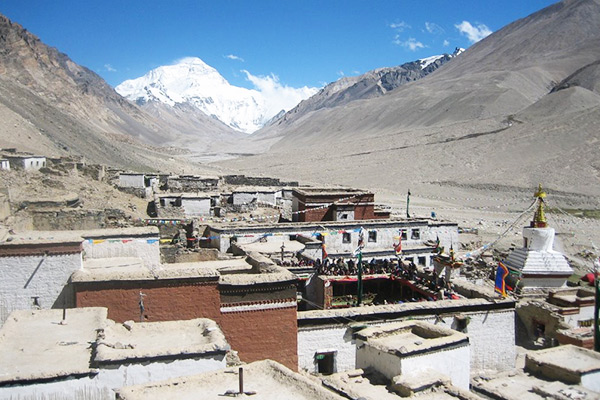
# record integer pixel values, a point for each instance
(299, 43)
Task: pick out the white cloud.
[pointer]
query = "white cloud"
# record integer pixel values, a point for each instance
(234, 57)
(109, 68)
(446, 43)
(411, 44)
(434, 28)
(400, 26)
(341, 73)
(278, 96)
(473, 33)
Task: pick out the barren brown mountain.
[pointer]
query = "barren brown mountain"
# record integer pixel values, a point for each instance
(52, 106)
(520, 107)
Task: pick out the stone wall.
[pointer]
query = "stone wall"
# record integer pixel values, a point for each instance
(242, 180)
(77, 219)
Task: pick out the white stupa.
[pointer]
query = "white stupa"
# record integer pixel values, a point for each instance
(537, 264)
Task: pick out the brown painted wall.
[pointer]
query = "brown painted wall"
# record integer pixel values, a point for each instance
(257, 335)
(164, 300)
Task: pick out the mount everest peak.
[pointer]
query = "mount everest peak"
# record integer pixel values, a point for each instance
(191, 81)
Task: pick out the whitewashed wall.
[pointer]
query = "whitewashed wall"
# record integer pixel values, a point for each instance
(101, 385)
(452, 362)
(146, 248)
(34, 162)
(491, 336)
(591, 381)
(585, 313)
(268, 197)
(132, 180)
(314, 340)
(241, 198)
(195, 207)
(46, 283)
(386, 238)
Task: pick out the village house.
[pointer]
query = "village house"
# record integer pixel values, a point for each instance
(565, 316)
(35, 266)
(183, 205)
(252, 299)
(247, 198)
(328, 204)
(79, 353)
(331, 333)
(26, 162)
(341, 238)
(410, 348)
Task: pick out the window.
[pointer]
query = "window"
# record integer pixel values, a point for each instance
(416, 234)
(325, 362)
(343, 216)
(403, 234)
(422, 260)
(372, 236)
(346, 238)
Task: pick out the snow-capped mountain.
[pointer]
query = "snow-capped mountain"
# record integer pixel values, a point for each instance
(193, 82)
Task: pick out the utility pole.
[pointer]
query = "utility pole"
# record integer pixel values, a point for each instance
(142, 309)
(597, 305)
(407, 204)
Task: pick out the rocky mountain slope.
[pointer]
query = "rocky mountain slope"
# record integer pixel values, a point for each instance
(52, 106)
(493, 116)
(369, 85)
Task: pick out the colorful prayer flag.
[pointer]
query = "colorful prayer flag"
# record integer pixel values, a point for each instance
(501, 274)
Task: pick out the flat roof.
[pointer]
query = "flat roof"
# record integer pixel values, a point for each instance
(36, 237)
(409, 337)
(228, 227)
(146, 340)
(273, 245)
(234, 271)
(569, 358)
(370, 384)
(424, 307)
(133, 269)
(34, 345)
(320, 191)
(268, 379)
(516, 385)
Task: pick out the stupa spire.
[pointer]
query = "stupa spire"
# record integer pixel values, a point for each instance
(539, 218)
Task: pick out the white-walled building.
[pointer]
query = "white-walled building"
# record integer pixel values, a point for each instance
(85, 355)
(27, 162)
(132, 179)
(4, 164)
(489, 324)
(341, 238)
(411, 348)
(35, 266)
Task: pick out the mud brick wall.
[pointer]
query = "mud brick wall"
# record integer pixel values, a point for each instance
(165, 300)
(260, 334)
